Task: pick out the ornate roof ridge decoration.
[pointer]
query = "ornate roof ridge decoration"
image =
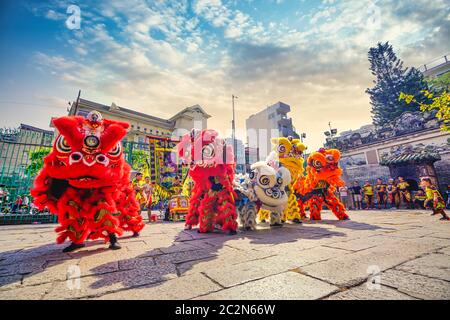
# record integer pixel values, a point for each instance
(421, 157)
(407, 123)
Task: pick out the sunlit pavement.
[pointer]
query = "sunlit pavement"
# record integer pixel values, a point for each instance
(404, 255)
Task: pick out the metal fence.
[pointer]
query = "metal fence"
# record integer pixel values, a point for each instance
(21, 156)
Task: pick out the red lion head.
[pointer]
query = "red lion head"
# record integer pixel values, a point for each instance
(87, 152)
(204, 149)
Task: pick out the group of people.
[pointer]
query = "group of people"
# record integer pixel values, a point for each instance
(145, 190)
(21, 203)
(394, 193)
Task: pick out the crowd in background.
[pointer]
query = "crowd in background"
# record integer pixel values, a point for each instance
(394, 193)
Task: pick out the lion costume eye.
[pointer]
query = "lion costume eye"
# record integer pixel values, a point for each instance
(317, 164)
(281, 148)
(280, 181)
(62, 145)
(264, 180)
(115, 152)
(208, 151)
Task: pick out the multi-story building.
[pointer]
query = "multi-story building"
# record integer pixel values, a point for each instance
(267, 124)
(240, 154)
(144, 126)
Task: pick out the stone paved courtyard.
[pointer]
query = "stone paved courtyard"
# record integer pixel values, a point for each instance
(316, 260)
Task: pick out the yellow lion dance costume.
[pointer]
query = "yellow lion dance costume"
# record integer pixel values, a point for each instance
(287, 152)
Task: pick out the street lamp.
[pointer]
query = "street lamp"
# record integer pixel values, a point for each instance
(330, 136)
(302, 136)
(233, 127)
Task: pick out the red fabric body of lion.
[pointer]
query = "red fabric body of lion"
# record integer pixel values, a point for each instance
(85, 180)
(212, 170)
(323, 175)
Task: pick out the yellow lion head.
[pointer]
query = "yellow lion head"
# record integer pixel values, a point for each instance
(290, 154)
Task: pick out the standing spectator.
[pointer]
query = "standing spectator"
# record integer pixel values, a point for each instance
(368, 195)
(404, 193)
(434, 195)
(148, 191)
(17, 204)
(380, 187)
(345, 199)
(392, 193)
(139, 190)
(419, 199)
(357, 196)
(26, 202)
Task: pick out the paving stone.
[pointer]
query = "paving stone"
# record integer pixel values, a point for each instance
(54, 271)
(445, 251)
(182, 288)
(352, 268)
(432, 265)
(10, 282)
(416, 286)
(361, 292)
(26, 293)
(100, 284)
(288, 285)
(362, 243)
(232, 275)
(166, 260)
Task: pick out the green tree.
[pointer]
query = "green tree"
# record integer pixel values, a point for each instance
(440, 103)
(37, 160)
(439, 84)
(392, 79)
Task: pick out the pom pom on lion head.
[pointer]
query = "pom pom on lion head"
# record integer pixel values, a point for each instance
(87, 152)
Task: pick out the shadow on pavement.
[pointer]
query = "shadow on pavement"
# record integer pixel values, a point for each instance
(151, 268)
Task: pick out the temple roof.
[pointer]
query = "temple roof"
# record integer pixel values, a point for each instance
(420, 157)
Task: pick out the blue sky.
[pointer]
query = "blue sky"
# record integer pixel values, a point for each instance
(161, 56)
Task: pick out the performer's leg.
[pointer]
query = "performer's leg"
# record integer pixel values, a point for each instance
(315, 206)
(207, 214)
(336, 206)
(275, 219)
(226, 211)
(247, 216)
(192, 218)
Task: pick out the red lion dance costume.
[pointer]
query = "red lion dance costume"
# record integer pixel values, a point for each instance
(317, 188)
(212, 202)
(85, 181)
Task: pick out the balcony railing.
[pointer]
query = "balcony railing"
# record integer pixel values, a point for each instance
(436, 63)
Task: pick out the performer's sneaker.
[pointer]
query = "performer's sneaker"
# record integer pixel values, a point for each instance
(296, 221)
(73, 246)
(445, 218)
(232, 232)
(346, 218)
(115, 246)
(135, 235)
(188, 227)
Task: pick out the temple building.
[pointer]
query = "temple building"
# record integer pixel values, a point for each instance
(412, 146)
